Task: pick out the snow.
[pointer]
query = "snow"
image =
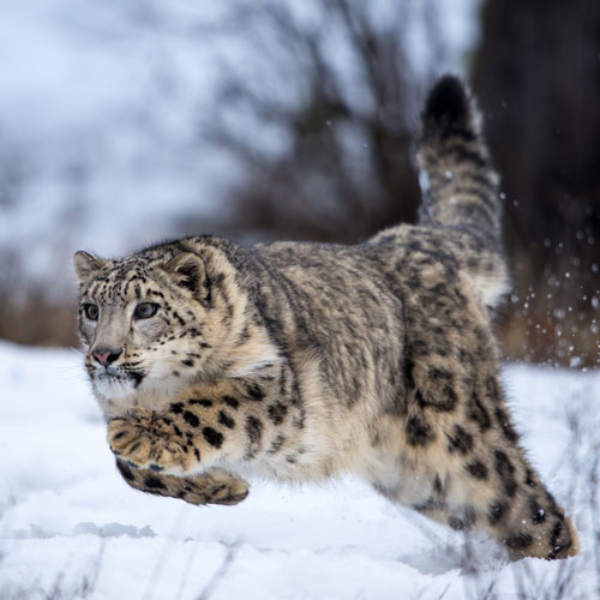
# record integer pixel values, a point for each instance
(71, 528)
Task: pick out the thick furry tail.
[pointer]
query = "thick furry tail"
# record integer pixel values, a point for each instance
(459, 185)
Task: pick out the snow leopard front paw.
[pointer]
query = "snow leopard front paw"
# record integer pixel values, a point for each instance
(211, 487)
(147, 441)
(225, 490)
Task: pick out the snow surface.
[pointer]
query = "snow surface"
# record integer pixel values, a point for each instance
(71, 528)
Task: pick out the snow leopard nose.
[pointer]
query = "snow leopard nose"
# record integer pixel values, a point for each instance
(105, 356)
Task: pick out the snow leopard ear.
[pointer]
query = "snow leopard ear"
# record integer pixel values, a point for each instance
(188, 270)
(86, 265)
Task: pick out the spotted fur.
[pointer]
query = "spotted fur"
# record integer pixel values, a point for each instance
(296, 361)
(215, 487)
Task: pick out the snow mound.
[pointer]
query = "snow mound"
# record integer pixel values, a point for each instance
(71, 528)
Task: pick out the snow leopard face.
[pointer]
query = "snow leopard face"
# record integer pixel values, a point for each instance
(152, 323)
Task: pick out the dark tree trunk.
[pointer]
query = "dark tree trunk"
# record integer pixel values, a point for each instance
(537, 73)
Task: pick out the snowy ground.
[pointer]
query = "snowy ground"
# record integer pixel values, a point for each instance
(70, 528)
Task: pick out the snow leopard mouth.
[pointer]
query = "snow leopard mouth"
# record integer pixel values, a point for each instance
(110, 376)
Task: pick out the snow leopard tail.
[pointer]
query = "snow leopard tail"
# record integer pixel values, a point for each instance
(459, 185)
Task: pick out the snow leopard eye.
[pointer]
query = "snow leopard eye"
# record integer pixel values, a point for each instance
(145, 310)
(91, 311)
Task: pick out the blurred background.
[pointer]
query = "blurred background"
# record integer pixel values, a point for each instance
(122, 123)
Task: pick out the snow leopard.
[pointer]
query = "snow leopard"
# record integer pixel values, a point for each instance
(215, 362)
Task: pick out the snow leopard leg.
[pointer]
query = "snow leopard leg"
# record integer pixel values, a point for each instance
(455, 457)
(231, 422)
